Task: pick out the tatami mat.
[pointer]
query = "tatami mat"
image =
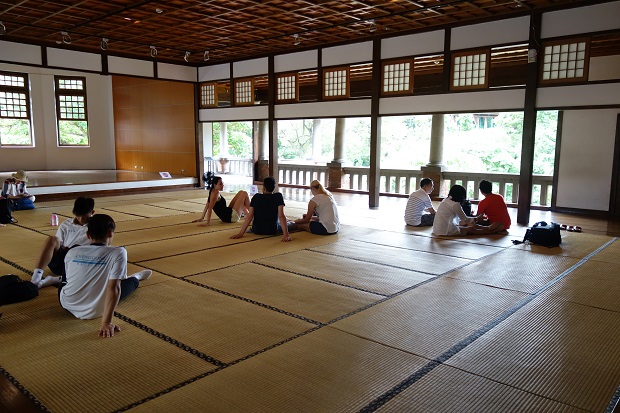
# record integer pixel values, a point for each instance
(611, 253)
(348, 271)
(595, 284)
(515, 269)
(451, 247)
(298, 376)
(431, 318)
(398, 257)
(245, 330)
(560, 350)
(447, 389)
(308, 297)
(574, 244)
(244, 250)
(117, 372)
(222, 327)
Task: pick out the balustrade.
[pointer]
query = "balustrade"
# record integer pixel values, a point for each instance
(405, 181)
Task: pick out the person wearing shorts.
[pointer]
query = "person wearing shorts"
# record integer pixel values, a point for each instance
(322, 216)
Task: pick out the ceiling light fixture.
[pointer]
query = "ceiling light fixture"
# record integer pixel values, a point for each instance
(104, 44)
(186, 57)
(66, 38)
(2, 29)
(153, 51)
(206, 56)
(297, 39)
(372, 27)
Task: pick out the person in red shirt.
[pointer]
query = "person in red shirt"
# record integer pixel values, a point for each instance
(492, 210)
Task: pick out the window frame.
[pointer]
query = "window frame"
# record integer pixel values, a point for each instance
(409, 90)
(565, 41)
(249, 80)
(295, 97)
(58, 92)
(21, 90)
(471, 52)
(215, 95)
(326, 72)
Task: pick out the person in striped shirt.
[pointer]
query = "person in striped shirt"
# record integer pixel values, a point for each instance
(419, 211)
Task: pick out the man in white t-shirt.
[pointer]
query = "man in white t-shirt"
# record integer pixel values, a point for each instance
(96, 276)
(71, 232)
(419, 211)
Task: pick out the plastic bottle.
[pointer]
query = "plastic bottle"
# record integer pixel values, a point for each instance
(54, 220)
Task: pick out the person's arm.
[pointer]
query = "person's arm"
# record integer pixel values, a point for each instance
(286, 237)
(112, 295)
(430, 207)
(246, 223)
(209, 207)
(308, 215)
(464, 220)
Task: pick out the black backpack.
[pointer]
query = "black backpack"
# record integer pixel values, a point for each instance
(6, 207)
(541, 233)
(14, 290)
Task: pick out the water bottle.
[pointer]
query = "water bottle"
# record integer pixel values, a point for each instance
(54, 220)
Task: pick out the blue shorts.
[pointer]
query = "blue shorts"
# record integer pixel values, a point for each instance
(317, 228)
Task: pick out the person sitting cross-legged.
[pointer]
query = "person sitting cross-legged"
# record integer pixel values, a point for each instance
(267, 213)
(419, 211)
(96, 278)
(492, 210)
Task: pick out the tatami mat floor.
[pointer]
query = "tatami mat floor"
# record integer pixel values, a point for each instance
(379, 317)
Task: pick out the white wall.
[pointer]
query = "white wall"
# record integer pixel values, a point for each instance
(46, 154)
(586, 159)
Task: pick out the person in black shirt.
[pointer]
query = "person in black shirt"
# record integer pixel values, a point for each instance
(267, 214)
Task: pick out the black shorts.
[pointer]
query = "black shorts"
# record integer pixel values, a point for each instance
(57, 264)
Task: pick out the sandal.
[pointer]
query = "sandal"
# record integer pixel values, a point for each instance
(570, 229)
(563, 227)
(577, 229)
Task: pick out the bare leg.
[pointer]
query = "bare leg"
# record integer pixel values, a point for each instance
(241, 203)
(51, 245)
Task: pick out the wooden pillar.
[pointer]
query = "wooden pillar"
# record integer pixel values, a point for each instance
(529, 125)
(374, 175)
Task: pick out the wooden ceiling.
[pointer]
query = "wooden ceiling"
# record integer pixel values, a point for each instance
(237, 29)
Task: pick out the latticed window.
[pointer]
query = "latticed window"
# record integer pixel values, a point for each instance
(470, 70)
(565, 61)
(397, 77)
(14, 110)
(71, 111)
(336, 83)
(244, 92)
(208, 95)
(288, 88)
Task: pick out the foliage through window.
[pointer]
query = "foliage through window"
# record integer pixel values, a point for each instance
(71, 111)
(14, 110)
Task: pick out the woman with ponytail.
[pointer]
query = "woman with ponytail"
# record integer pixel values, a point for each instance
(322, 216)
(216, 203)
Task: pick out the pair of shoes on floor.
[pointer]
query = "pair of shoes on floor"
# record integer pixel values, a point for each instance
(573, 229)
(142, 275)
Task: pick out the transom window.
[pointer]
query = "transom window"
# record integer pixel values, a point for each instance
(336, 83)
(71, 111)
(397, 77)
(288, 88)
(565, 61)
(470, 70)
(208, 95)
(14, 110)
(244, 92)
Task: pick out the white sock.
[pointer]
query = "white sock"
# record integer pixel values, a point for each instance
(142, 275)
(37, 274)
(49, 280)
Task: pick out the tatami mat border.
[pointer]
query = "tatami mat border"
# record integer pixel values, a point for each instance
(499, 249)
(432, 364)
(15, 265)
(321, 279)
(24, 391)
